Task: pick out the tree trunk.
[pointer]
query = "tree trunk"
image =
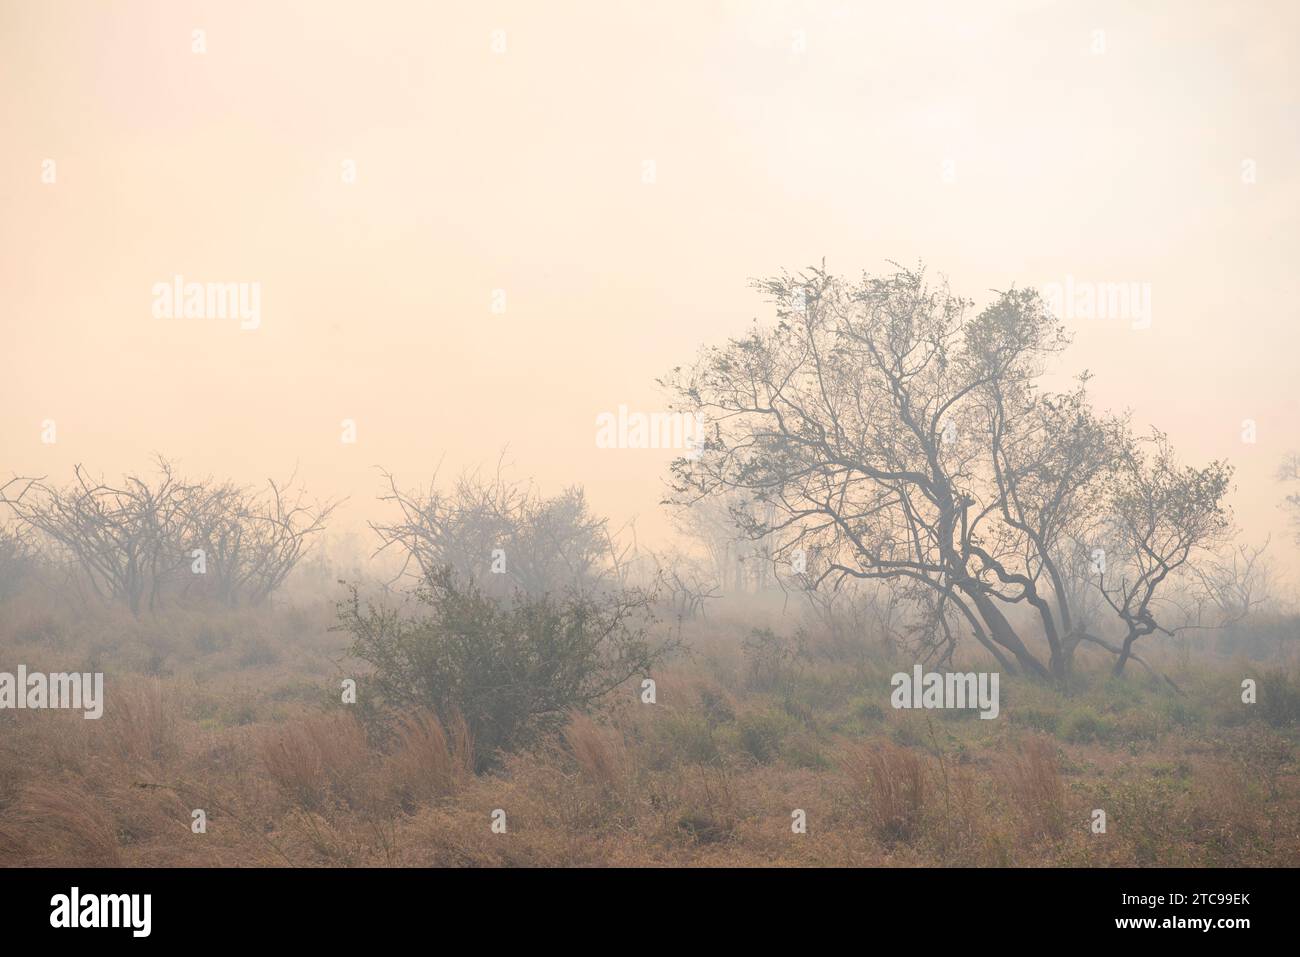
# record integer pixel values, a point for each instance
(1000, 631)
(1125, 652)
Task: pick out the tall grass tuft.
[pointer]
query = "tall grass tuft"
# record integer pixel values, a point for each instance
(428, 761)
(890, 786)
(313, 757)
(1035, 785)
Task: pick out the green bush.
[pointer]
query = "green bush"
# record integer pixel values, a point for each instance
(1142, 810)
(1083, 725)
(909, 734)
(512, 670)
(760, 734)
(208, 639)
(686, 738)
(1279, 698)
(869, 710)
(1177, 711)
(717, 710)
(802, 751)
(775, 663)
(1040, 719)
(1141, 725)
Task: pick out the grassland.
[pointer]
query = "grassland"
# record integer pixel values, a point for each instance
(239, 714)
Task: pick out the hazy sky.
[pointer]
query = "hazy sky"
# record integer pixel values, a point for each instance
(1000, 143)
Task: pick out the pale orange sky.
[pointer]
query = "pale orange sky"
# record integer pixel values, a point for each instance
(781, 133)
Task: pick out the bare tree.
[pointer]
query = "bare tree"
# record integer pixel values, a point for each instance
(1161, 513)
(134, 541)
(686, 583)
(123, 537)
(856, 418)
(852, 610)
(887, 430)
(251, 542)
(501, 534)
(1231, 585)
(741, 564)
(19, 558)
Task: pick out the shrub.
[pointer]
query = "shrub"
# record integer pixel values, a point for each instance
(775, 663)
(1083, 725)
(869, 711)
(256, 652)
(801, 750)
(210, 638)
(685, 738)
(1178, 712)
(512, 670)
(1279, 698)
(760, 735)
(1039, 719)
(134, 541)
(553, 543)
(717, 707)
(1138, 725)
(1144, 811)
(18, 561)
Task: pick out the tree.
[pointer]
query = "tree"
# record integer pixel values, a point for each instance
(853, 610)
(685, 582)
(134, 541)
(740, 564)
(125, 537)
(882, 429)
(251, 542)
(500, 534)
(18, 560)
(1160, 514)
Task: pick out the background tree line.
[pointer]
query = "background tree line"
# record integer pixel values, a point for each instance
(156, 539)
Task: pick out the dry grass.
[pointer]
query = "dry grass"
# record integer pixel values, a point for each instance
(141, 724)
(889, 784)
(59, 823)
(601, 754)
(312, 757)
(285, 780)
(1034, 782)
(428, 762)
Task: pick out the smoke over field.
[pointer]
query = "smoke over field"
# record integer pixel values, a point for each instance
(647, 435)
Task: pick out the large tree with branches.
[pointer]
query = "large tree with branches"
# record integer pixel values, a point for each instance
(883, 429)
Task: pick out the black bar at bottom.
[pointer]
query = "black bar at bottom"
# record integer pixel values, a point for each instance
(335, 906)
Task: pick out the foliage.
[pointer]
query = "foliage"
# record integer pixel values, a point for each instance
(512, 671)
